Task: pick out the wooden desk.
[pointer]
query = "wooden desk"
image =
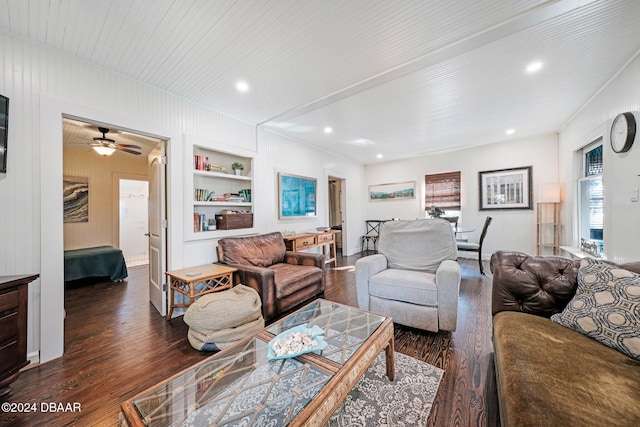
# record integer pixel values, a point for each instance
(194, 282)
(300, 242)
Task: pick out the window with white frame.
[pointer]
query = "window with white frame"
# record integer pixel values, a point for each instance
(591, 195)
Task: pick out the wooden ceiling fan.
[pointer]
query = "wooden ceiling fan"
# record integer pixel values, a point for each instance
(106, 146)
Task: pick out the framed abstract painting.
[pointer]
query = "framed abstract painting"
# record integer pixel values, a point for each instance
(296, 196)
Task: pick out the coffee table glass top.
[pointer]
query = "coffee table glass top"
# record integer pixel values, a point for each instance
(241, 387)
(237, 388)
(345, 328)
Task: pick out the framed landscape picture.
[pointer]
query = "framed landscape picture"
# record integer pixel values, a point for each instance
(296, 196)
(506, 189)
(392, 191)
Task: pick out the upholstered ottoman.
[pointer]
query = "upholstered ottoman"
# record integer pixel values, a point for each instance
(220, 319)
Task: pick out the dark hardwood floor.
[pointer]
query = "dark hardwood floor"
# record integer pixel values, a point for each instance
(116, 346)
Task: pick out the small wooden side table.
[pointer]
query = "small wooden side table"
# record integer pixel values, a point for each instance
(194, 282)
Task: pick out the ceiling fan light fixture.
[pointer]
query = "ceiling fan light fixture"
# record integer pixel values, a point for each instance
(104, 150)
(103, 139)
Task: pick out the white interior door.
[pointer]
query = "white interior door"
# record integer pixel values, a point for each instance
(133, 213)
(157, 230)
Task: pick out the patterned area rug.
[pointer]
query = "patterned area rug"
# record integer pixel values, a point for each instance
(376, 401)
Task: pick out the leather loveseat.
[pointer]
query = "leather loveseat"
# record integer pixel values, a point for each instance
(282, 278)
(548, 374)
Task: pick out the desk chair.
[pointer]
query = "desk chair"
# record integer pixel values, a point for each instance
(476, 247)
(371, 234)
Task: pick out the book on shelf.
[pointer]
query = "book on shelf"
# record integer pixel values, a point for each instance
(204, 195)
(196, 222)
(200, 163)
(200, 222)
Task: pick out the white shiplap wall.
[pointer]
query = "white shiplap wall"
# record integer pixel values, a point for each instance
(43, 83)
(34, 77)
(282, 154)
(621, 171)
(510, 229)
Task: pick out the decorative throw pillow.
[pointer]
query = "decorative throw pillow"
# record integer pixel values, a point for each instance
(606, 306)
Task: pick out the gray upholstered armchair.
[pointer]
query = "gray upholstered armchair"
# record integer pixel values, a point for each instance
(414, 277)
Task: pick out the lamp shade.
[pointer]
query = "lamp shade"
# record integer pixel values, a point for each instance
(103, 150)
(549, 193)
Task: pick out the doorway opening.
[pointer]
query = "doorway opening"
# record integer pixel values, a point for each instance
(337, 211)
(118, 183)
(133, 212)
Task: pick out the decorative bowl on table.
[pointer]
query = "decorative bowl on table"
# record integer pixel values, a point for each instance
(323, 229)
(292, 337)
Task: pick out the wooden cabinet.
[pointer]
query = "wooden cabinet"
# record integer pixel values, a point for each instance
(215, 189)
(300, 242)
(13, 328)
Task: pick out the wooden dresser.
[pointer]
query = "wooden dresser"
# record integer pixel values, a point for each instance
(300, 242)
(13, 327)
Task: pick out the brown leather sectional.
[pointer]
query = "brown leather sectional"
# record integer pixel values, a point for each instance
(282, 278)
(548, 374)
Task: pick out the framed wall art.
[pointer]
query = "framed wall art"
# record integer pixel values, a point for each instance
(392, 191)
(506, 189)
(75, 199)
(296, 196)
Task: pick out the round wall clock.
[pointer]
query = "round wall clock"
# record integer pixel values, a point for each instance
(623, 132)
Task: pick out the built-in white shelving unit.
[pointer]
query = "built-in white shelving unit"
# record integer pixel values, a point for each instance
(209, 181)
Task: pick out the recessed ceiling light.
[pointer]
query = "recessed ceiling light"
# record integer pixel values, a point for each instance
(242, 86)
(534, 67)
(379, 156)
(510, 131)
(328, 129)
(362, 142)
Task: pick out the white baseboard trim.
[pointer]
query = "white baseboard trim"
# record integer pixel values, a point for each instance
(34, 360)
(137, 263)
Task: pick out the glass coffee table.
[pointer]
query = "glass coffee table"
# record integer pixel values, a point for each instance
(240, 386)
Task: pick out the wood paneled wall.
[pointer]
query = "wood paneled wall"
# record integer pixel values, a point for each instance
(102, 204)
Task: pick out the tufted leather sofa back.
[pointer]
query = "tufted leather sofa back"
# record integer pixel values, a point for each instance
(541, 285)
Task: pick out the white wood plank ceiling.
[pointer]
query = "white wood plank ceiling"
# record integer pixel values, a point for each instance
(391, 77)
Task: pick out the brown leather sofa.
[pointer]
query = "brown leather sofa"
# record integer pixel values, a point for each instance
(282, 278)
(548, 374)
